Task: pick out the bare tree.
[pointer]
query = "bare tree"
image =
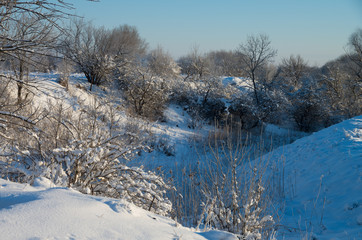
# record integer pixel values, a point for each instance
(126, 48)
(355, 53)
(194, 65)
(87, 47)
(225, 63)
(125, 44)
(293, 69)
(200, 71)
(27, 34)
(144, 91)
(12, 11)
(33, 30)
(342, 88)
(254, 54)
(24, 31)
(101, 53)
(147, 81)
(162, 64)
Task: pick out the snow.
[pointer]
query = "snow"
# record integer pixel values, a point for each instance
(322, 191)
(280, 131)
(49, 90)
(175, 116)
(244, 85)
(323, 182)
(238, 82)
(43, 211)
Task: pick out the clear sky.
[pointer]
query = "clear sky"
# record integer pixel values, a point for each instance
(318, 30)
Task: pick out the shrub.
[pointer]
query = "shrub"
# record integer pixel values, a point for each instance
(87, 151)
(146, 98)
(309, 117)
(243, 112)
(232, 186)
(214, 110)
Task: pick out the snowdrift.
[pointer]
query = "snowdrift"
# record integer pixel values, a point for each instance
(323, 182)
(44, 211)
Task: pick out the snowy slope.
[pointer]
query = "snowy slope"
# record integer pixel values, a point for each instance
(49, 90)
(323, 182)
(43, 211)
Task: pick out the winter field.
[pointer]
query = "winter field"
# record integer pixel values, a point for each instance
(313, 183)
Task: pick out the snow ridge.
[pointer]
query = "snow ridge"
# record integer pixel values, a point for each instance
(323, 181)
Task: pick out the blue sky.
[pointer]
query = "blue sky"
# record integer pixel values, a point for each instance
(318, 30)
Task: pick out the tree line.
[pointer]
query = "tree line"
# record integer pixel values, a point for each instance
(36, 36)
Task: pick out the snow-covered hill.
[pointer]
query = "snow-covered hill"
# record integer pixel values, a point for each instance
(44, 211)
(323, 182)
(319, 179)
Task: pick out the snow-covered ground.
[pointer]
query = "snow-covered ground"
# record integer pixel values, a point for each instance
(321, 185)
(49, 90)
(43, 211)
(323, 182)
(323, 199)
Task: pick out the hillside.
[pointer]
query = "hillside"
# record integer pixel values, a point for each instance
(323, 182)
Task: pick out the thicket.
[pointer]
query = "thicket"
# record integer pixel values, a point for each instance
(291, 93)
(87, 150)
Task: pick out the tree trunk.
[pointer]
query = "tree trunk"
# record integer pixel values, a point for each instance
(255, 90)
(20, 81)
(20, 87)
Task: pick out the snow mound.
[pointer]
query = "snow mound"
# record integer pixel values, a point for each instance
(44, 211)
(323, 182)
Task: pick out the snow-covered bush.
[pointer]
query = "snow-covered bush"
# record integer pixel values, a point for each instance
(146, 92)
(145, 96)
(309, 117)
(309, 107)
(223, 189)
(341, 88)
(243, 112)
(234, 193)
(272, 107)
(87, 150)
(210, 112)
(203, 99)
(94, 168)
(214, 110)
